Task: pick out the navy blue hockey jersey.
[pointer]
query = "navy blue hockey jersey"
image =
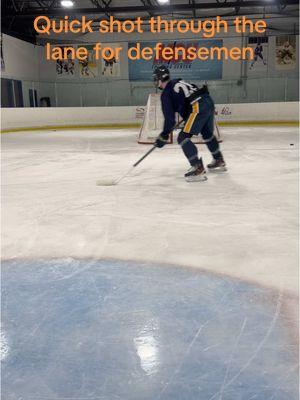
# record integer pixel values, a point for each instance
(175, 98)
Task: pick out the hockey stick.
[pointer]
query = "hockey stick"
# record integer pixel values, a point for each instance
(113, 183)
(218, 136)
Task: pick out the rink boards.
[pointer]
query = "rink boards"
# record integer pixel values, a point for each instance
(16, 119)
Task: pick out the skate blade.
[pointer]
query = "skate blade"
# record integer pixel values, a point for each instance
(196, 178)
(217, 170)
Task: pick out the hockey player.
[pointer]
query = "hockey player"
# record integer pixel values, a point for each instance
(109, 64)
(85, 68)
(258, 52)
(197, 109)
(286, 54)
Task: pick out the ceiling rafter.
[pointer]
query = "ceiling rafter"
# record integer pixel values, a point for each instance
(154, 8)
(98, 5)
(145, 3)
(14, 5)
(17, 15)
(106, 4)
(194, 10)
(42, 5)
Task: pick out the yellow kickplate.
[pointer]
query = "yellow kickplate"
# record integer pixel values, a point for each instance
(128, 126)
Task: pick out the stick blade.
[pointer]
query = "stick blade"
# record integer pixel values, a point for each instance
(105, 182)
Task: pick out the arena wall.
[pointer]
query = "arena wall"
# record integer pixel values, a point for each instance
(26, 62)
(13, 119)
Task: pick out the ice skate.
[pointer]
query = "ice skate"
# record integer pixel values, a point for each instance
(218, 165)
(196, 173)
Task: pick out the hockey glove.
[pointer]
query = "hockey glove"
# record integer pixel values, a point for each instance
(161, 140)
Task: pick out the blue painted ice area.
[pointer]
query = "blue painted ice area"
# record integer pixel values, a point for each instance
(106, 330)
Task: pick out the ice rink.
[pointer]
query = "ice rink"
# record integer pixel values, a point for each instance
(238, 231)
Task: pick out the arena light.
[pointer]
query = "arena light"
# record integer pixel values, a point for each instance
(67, 3)
(164, 1)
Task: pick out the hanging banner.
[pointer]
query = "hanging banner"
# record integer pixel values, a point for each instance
(88, 68)
(285, 52)
(142, 70)
(65, 68)
(260, 61)
(111, 67)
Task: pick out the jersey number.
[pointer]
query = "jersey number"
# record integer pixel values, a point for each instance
(187, 88)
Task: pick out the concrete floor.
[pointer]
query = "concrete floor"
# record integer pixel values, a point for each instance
(101, 274)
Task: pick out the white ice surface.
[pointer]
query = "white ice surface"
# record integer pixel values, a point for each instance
(242, 223)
